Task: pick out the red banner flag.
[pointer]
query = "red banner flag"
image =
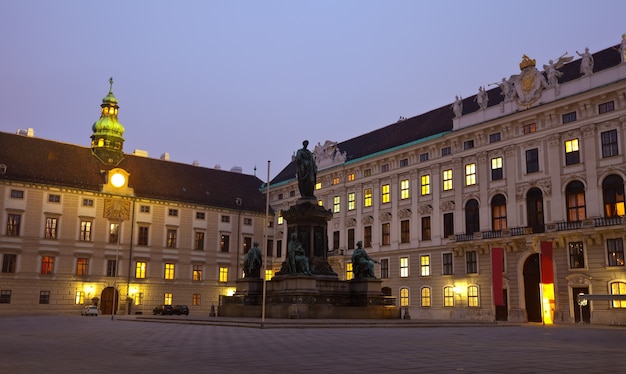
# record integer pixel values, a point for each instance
(547, 269)
(497, 258)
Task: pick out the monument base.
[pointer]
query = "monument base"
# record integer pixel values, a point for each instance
(315, 297)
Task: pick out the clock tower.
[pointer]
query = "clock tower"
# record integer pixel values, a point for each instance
(107, 139)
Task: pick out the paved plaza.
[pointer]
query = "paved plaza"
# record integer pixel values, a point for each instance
(75, 344)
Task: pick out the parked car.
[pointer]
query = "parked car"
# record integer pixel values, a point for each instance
(181, 309)
(89, 310)
(163, 310)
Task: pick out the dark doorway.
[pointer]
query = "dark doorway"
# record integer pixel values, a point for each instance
(502, 311)
(106, 300)
(534, 205)
(586, 310)
(531, 288)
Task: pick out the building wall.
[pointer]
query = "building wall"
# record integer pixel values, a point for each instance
(25, 282)
(541, 127)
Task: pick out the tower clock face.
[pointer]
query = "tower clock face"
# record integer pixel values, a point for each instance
(118, 180)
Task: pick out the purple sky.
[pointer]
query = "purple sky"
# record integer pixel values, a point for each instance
(238, 83)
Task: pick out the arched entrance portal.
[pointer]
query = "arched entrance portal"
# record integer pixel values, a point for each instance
(106, 300)
(531, 288)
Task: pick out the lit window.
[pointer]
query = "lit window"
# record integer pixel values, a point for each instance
(223, 274)
(80, 298)
(82, 266)
(171, 238)
(470, 174)
(138, 298)
(114, 229)
(197, 273)
(613, 196)
(425, 297)
(447, 180)
(472, 296)
(367, 197)
(225, 243)
(350, 177)
(318, 185)
(615, 248)
(51, 228)
(405, 193)
(448, 296)
(425, 183)
(349, 272)
(140, 269)
(496, 168)
(575, 201)
(351, 198)
(498, 212)
(576, 255)
(320, 202)
(47, 265)
(169, 271)
(404, 297)
(572, 152)
(336, 204)
(195, 299)
(529, 129)
(269, 274)
(618, 288)
(280, 217)
(404, 267)
(425, 265)
(386, 196)
(85, 231)
(167, 298)
(335, 180)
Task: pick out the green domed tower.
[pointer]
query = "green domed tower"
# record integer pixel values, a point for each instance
(107, 140)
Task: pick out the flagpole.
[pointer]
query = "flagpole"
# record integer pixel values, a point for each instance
(267, 213)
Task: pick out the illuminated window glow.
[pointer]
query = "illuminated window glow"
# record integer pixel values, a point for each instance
(349, 272)
(367, 197)
(425, 183)
(404, 267)
(385, 194)
(425, 265)
(223, 274)
(425, 298)
(470, 174)
(405, 193)
(140, 269)
(447, 180)
(169, 271)
(404, 296)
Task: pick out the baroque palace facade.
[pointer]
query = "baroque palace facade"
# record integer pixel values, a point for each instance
(92, 225)
(502, 206)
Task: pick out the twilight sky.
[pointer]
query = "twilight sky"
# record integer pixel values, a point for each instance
(238, 83)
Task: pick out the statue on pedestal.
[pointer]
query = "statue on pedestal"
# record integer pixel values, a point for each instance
(362, 264)
(307, 171)
(298, 263)
(252, 262)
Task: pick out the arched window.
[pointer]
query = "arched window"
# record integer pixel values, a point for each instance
(448, 296)
(498, 213)
(425, 298)
(404, 296)
(472, 223)
(618, 288)
(613, 195)
(575, 201)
